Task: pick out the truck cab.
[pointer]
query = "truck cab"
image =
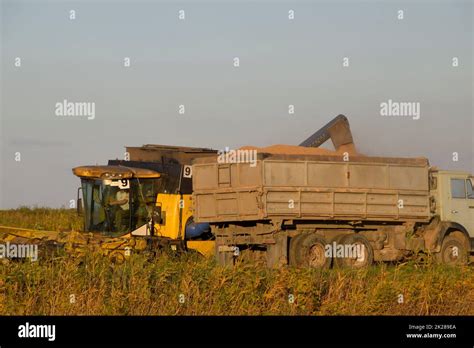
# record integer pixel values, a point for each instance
(453, 200)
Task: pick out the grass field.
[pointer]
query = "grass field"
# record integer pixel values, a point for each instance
(192, 285)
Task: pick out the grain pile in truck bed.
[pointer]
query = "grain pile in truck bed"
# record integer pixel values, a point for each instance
(302, 153)
(280, 149)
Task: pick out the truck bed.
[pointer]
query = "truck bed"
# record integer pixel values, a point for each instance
(311, 188)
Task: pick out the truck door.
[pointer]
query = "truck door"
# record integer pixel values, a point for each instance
(460, 207)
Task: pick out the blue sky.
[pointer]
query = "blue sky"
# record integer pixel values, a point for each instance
(190, 62)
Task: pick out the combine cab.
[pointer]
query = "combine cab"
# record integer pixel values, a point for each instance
(116, 199)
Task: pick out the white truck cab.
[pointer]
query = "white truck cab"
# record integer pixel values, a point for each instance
(455, 199)
(452, 195)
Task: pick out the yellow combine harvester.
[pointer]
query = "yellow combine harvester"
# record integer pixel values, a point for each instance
(139, 205)
(145, 201)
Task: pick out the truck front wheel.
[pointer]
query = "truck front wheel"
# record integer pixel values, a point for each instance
(453, 250)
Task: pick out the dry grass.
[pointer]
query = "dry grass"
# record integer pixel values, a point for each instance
(153, 287)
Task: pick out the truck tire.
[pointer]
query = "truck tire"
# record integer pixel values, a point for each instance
(356, 261)
(453, 250)
(295, 245)
(312, 252)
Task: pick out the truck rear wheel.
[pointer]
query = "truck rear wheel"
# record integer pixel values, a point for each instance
(312, 252)
(453, 250)
(361, 252)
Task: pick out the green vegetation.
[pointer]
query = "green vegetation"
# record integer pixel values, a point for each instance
(45, 219)
(92, 285)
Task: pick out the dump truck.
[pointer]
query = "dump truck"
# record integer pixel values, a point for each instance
(341, 208)
(145, 200)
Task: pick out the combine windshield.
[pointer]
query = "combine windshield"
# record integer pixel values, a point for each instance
(116, 207)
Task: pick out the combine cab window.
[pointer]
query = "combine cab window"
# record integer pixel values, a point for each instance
(106, 207)
(458, 188)
(116, 207)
